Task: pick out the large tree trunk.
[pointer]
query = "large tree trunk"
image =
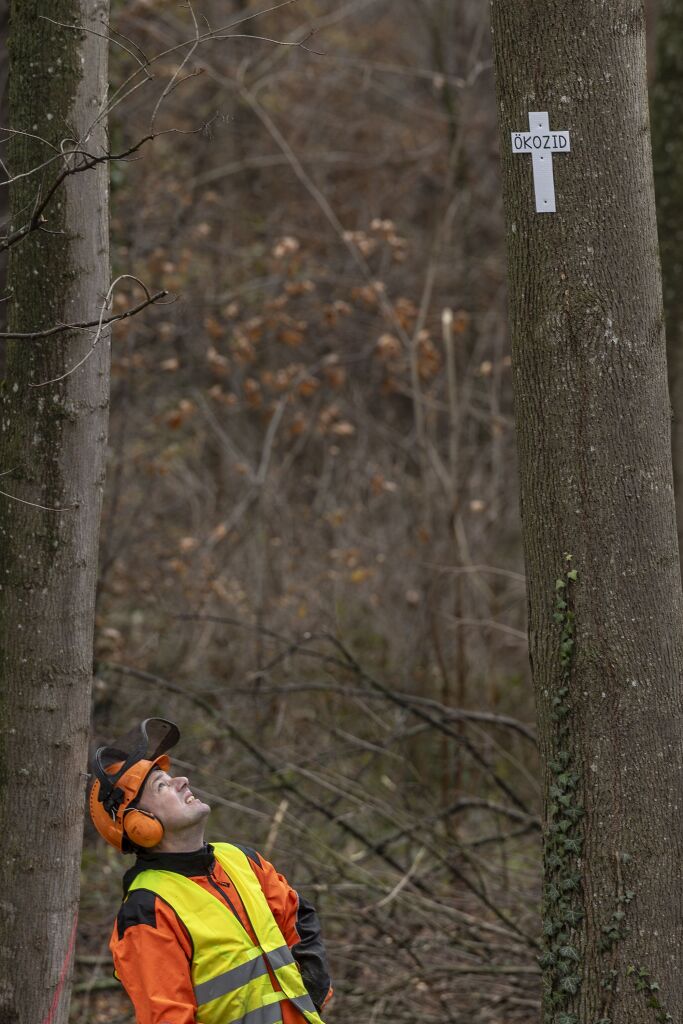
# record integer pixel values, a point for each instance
(52, 448)
(4, 193)
(667, 140)
(592, 415)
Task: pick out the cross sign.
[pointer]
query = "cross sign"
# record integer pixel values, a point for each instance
(541, 143)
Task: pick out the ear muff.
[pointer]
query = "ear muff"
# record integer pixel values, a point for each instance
(142, 828)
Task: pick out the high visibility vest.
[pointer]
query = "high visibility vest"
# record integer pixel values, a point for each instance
(230, 972)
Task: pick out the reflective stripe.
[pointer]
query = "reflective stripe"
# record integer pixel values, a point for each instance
(304, 1003)
(280, 957)
(231, 980)
(264, 1015)
(242, 975)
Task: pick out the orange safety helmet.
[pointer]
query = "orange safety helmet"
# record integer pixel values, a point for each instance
(120, 773)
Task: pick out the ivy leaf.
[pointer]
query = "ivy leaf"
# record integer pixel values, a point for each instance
(569, 953)
(570, 984)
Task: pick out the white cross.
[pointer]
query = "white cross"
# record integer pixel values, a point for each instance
(542, 143)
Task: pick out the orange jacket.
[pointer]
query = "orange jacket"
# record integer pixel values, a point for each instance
(152, 950)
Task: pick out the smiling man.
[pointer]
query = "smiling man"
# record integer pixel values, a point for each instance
(206, 934)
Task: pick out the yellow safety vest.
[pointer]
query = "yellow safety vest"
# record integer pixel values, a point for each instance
(230, 973)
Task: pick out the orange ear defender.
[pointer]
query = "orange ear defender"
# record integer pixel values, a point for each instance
(120, 774)
(142, 828)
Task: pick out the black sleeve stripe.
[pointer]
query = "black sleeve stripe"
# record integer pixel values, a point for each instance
(309, 953)
(138, 908)
(251, 854)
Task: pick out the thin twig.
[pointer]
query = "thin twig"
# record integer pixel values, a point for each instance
(61, 328)
(89, 162)
(100, 327)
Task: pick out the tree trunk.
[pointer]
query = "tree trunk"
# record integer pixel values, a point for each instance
(52, 449)
(667, 140)
(4, 194)
(592, 415)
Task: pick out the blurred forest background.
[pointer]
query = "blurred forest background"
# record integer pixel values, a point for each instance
(311, 555)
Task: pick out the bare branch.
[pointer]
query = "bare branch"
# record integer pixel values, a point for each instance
(100, 326)
(62, 328)
(34, 504)
(89, 162)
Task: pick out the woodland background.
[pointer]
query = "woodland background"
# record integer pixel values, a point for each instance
(311, 555)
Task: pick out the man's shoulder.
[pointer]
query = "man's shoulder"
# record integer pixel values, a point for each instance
(139, 907)
(246, 850)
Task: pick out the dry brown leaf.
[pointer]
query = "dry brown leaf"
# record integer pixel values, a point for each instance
(343, 429)
(213, 327)
(308, 387)
(291, 337)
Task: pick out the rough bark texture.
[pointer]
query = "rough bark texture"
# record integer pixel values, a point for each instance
(593, 424)
(4, 192)
(667, 142)
(52, 449)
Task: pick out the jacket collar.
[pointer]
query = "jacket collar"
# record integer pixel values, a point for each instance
(199, 862)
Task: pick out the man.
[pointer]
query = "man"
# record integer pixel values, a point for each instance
(206, 934)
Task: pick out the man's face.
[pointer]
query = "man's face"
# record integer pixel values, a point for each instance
(171, 800)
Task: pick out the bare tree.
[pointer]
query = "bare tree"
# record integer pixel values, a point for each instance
(52, 452)
(604, 591)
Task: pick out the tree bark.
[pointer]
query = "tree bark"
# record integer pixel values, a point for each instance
(52, 450)
(667, 141)
(4, 192)
(593, 429)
